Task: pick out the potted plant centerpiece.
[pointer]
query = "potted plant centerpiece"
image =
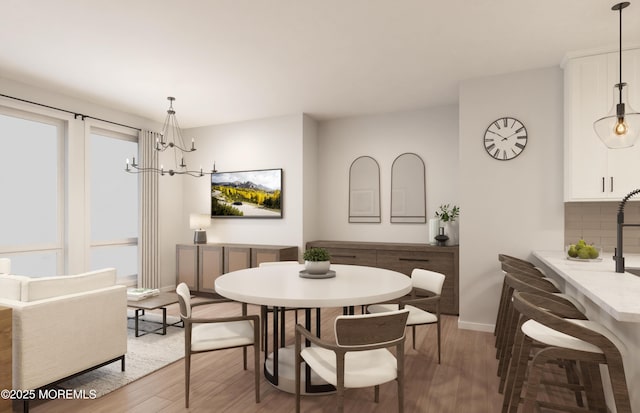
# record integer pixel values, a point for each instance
(316, 260)
(448, 214)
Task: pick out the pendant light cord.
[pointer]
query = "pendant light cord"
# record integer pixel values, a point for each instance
(620, 59)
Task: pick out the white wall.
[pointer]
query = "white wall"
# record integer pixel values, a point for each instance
(510, 207)
(430, 133)
(257, 144)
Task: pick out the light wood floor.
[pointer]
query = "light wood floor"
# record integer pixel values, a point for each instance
(466, 380)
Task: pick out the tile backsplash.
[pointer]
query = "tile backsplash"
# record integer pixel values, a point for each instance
(595, 222)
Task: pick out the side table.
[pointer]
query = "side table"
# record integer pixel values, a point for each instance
(161, 302)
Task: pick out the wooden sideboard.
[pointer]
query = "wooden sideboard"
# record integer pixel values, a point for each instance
(6, 325)
(402, 258)
(198, 265)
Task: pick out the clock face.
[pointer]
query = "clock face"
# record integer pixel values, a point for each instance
(505, 139)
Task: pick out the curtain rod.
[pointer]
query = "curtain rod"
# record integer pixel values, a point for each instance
(75, 115)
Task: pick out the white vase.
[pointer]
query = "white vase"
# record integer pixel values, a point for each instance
(451, 230)
(434, 227)
(317, 267)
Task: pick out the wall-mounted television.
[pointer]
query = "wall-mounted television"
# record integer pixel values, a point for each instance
(247, 194)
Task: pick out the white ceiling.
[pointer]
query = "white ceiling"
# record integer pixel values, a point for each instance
(231, 60)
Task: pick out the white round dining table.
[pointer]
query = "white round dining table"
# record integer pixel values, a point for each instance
(281, 285)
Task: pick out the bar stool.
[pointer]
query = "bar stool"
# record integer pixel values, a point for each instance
(511, 258)
(508, 261)
(586, 342)
(521, 282)
(505, 297)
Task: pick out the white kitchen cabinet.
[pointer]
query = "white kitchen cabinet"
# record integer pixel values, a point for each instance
(592, 171)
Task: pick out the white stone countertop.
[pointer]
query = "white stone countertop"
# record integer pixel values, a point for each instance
(616, 293)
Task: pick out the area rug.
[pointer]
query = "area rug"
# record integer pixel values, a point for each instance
(145, 354)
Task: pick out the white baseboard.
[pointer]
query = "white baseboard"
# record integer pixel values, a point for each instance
(465, 325)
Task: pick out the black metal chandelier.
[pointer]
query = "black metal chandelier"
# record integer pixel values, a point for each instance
(171, 138)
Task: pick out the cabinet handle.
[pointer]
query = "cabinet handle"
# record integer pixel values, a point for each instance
(603, 184)
(414, 259)
(612, 184)
(343, 256)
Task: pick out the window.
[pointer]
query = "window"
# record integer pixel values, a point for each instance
(113, 203)
(31, 181)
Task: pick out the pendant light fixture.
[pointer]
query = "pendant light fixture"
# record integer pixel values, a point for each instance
(171, 138)
(620, 128)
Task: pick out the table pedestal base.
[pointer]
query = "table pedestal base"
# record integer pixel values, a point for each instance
(286, 380)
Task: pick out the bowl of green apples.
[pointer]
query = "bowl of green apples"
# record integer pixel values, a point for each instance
(581, 251)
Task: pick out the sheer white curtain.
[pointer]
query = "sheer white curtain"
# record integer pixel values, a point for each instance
(149, 276)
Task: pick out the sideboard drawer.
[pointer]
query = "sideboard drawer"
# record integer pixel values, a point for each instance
(406, 261)
(352, 256)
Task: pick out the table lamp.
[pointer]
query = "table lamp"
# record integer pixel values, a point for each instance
(198, 222)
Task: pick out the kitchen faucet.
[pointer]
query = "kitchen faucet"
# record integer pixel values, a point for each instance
(618, 257)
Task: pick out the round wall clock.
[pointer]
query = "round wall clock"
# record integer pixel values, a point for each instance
(505, 138)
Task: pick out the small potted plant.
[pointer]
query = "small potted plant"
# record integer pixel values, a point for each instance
(448, 213)
(316, 260)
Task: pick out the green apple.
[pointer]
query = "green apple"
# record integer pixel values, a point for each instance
(593, 252)
(583, 253)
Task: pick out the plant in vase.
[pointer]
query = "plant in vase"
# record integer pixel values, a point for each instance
(317, 260)
(448, 214)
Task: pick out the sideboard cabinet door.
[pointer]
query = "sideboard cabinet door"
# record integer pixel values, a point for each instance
(237, 258)
(187, 265)
(260, 254)
(210, 267)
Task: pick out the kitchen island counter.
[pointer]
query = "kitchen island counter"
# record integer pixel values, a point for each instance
(610, 298)
(618, 294)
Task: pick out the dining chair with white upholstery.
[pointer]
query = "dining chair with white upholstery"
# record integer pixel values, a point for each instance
(360, 356)
(427, 288)
(211, 334)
